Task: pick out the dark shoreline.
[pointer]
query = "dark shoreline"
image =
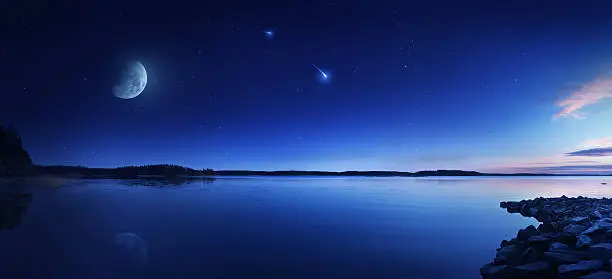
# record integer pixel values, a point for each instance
(574, 240)
(175, 170)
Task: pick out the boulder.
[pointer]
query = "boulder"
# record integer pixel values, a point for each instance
(547, 228)
(490, 271)
(579, 220)
(583, 241)
(564, 237)
(539, 242)
(574, 229)
(512, 207)
(527, 232)
(593, 228)
(558, 245)
(561, 258)
(505, 254)
(580, 268)
(598, 275)
(505, 243)
(530, 255)
(545, 216)
(600, 251)
(534, 270)
(595, 215)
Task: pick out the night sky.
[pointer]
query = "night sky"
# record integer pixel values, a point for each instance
(476, 85)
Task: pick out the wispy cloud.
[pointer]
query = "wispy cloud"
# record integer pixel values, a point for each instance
(548, 163)
(570, 169)
(553, 164)
(593, 152)
(597, 143)
(594, 148)
(590, 93)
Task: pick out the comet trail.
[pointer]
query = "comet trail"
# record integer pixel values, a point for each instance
(323, 74)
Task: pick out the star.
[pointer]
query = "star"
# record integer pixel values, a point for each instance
(269, 33)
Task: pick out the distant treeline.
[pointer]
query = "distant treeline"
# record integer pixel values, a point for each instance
(176, 170)
(169, 171)
(347, 173)
(374, 173)
(163, 170)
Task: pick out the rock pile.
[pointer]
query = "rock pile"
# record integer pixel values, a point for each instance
(574, 240)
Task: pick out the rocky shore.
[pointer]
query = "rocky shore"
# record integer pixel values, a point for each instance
(574, 240)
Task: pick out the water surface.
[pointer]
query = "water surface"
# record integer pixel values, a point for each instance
(262, 227)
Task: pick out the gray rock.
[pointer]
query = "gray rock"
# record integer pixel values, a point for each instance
(529, 256)
(583, 255)
(596, 215)
(505, 254)
(605, 223)
(592, 229)
(580, 267)
(564, 237)
(538, 238)
(527, 232)
(494, 271)
(547, 228)
(539, 242)
(558, 245)
(604, 245)
(598, 275)
(579, 220)
(600, 251)
(583, 241)
(574, 229)
(504, 243)
(561, 258)
(533, 267)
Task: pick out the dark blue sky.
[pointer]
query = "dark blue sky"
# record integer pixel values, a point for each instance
(414, 84)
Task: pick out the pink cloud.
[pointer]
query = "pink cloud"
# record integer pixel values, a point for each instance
(552, 164)
(597, 143)
(590, 93)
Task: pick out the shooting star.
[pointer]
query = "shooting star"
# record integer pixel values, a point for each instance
(324, 76)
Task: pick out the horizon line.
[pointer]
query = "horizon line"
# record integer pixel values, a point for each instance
(344, 171)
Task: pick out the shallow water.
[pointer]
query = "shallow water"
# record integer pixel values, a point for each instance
(263, 227)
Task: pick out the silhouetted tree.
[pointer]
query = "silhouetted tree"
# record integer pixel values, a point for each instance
(14, 159)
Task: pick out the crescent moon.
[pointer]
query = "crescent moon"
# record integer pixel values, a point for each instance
(133, 81)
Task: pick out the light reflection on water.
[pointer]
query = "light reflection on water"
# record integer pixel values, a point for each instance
(272, 227)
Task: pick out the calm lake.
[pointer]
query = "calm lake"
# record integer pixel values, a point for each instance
(262, 227)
